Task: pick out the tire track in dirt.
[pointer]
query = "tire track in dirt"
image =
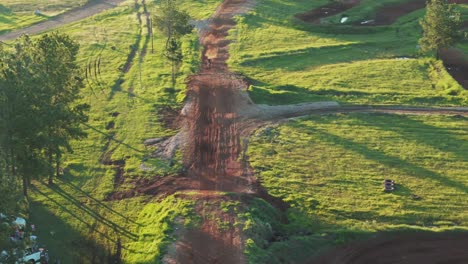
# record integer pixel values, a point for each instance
(90, 9)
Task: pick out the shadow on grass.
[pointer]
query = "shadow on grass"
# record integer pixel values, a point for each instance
(87, 210)
(58, 237)
(98, 202)
(390, 161)
(111, 137)
(298, 60)
(440, 138)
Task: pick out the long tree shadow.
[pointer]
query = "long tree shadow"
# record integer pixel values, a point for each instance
(92, 213)
(100, 203)
(297, 60)
(58, 237)
(390, 161)
(73, 214)
(411, 129)
(111, 137)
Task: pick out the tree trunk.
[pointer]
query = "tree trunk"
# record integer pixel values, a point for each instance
(173, 73)
(51, 172)
(25, 186)
(57, 164)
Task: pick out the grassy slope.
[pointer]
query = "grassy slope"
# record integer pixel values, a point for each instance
(330, 169)
(84, 225)
(16, 14)
(290, 62)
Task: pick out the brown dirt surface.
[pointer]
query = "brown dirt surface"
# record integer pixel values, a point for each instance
(90, 9)
(213, 115)
(217, 241)
(327, 10)
(388, 14)
(456, 63)
(417, 248)
(385, 15)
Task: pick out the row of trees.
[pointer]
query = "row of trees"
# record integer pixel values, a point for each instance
(40, 83)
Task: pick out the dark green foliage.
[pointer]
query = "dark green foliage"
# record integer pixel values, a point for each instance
(440, 26)
(173, 23)
(39, 85)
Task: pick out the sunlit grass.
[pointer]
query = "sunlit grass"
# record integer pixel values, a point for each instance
(287, 61)
(331, 169)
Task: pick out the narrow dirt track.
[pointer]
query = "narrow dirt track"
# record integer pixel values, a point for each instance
(417, 248)
(90, 9)
(211, 155)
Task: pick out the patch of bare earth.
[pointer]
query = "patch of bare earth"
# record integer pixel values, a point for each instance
(417, 248)
(385, 15)
(327, 10)
(388, 14)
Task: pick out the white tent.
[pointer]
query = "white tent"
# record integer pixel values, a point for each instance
(20, 222)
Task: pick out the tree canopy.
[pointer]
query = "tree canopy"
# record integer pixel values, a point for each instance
(440, 26)
(39, 111)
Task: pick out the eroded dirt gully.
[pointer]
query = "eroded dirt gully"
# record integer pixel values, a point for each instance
(213, 125)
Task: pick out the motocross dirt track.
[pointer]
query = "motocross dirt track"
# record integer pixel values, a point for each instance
(218, 116)
(386, 15)
(417, 248)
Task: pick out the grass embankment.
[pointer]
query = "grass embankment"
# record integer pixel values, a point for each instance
(331, 169)
(125, 110)
(16, 14)
(288, 61)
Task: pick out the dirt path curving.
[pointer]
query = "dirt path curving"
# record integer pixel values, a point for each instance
(416, 248)
(386, 15)
(90, 9)
(327, 10)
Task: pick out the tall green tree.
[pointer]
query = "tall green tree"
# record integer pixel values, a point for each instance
(174, 24)
(440, 26)
(173, 53)
(56, 59)
(39, 114)
(20, 121)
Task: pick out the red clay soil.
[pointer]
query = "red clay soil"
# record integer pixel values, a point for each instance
(214, 147)
(456, 63)
(211, 243)
(417, 248)
(327, 10)
(213, 120)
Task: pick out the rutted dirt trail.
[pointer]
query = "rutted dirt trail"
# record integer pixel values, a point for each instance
(211, 154)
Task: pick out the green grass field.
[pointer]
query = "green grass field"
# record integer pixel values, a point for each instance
(334, 190)
(288, 61)
(331, 168)
(16, 14)
(74, 209)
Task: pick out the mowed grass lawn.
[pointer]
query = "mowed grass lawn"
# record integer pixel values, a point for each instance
(288, 61)
(330, 169)
(16, 14)
(125, 110)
